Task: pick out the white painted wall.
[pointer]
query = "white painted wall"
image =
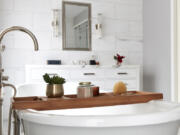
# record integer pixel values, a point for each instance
(157, 46)
(122, 31)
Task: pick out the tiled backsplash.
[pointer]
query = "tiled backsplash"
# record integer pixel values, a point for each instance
(122, 33)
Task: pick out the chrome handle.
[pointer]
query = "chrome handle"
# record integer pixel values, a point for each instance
(5, 78)
(89, 73)
(122, 73)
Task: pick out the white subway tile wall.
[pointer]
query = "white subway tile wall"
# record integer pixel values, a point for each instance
(122, 33)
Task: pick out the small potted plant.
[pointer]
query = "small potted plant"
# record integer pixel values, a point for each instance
(54, 87)
(119, 59)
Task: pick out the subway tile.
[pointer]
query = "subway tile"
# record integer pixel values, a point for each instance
(121, 27)
(18, 57)
(6, 5)
(136, 29)
(23, 5)
(6, 19)
(129, 45)
(56, 42)
(22, 41)
(129, 2)
(135, 58)
(23, 19)
(108, 27)
(107, 57)
(83, 1)
(44, 39)
(128, 12)
(19, 75)
(42, 21)
(32, 5)
(8, 41)
(106, 43)
(106, 9)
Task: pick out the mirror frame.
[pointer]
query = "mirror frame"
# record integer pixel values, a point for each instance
(64, 3)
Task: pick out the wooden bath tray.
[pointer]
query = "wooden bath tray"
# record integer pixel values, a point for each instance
(70, 101)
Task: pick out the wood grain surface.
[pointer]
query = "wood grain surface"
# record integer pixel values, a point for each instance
(70, 101)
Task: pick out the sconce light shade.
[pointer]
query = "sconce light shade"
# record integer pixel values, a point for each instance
(56, 22)
(98, 26)
(99, 17)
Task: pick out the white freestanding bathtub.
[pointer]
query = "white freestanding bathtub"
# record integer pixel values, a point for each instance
(153, 118)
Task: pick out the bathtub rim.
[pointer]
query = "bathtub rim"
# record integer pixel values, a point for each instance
(102, 120)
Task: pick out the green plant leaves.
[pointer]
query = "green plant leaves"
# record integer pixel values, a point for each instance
(54, 79)
(58, 80)
(47, 79)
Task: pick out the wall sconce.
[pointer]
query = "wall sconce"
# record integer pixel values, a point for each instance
(98, 26)
(56, 22)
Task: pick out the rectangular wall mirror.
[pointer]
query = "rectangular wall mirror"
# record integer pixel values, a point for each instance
(76, 26)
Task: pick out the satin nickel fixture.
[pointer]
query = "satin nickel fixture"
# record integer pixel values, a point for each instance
(5, 78)
(98, 26)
